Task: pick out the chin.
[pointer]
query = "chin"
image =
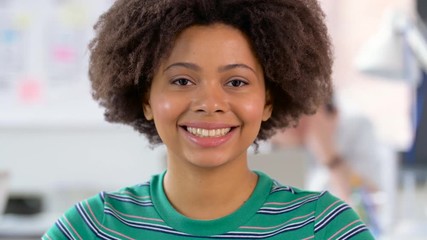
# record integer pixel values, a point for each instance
(209, 164)
(212, 161)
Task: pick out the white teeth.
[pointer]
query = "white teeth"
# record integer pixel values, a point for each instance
(200, 132)
(211, 133)
(224, 131)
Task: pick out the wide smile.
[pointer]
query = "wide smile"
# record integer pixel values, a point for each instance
(204, 133)
(209, 136)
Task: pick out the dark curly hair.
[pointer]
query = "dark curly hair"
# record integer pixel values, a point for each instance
(289, 38)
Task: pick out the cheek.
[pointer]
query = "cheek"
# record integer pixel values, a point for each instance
(162, 104)
(163, 108)
(253, 109)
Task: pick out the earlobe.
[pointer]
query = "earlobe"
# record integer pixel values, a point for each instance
(268, 108)
(148, 114)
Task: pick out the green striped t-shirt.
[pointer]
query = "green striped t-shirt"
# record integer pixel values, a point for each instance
(273, 211)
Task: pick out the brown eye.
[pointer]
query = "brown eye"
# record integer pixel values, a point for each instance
(182, 82)
(237, 83)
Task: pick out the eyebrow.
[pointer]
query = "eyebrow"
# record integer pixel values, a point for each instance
(233, 66)
(197, 68)
(191, 66)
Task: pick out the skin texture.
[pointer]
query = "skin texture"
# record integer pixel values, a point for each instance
(134, 44)
(288, 37)
(210, 80)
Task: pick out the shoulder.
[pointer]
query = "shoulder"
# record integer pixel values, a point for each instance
(83, 219)
(293, 194)
(320, 213)
(107, 202)
(335, 219)
(76, 222)
(137, 194)
(292, 200)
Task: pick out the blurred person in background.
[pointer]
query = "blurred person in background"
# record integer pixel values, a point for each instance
(345, 153)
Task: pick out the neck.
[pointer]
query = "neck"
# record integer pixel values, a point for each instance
(206, 194)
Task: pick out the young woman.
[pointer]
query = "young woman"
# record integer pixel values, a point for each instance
(208, 79)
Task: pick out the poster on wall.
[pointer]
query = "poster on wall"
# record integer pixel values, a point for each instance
(44, 62)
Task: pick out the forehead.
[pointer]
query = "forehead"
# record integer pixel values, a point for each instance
(216, 42)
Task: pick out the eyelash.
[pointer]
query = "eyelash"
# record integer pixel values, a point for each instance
(178, 82)
(241, 83)
(186, 82)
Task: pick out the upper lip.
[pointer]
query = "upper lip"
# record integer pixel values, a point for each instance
(207, 125)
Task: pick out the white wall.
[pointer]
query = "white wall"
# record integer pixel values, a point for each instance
(352, 24)
(76, 159)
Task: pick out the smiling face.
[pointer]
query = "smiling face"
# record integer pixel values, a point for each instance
(208, 97)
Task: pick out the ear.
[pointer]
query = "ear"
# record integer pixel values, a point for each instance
(268, 107)
(146, 106)
(148, 113)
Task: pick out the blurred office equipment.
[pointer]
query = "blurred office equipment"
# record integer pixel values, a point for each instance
(4, 190)
(398, 52)
(416, 158)
(43, 63)
(54, 142)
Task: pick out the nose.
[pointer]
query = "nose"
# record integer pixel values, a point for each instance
(210, 99)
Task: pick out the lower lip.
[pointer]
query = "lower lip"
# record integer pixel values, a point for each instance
(209, 141)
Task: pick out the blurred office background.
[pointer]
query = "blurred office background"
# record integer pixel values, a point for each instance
(56, 149)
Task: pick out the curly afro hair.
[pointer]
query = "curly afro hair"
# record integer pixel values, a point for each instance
(289, 38)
